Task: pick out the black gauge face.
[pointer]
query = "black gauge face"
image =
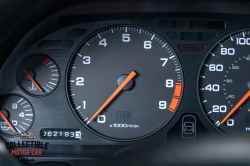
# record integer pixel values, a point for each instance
(16, 114)
(124, 82)
(38, 75)
(224, 84)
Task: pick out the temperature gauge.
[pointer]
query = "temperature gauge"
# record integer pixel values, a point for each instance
(16, 114)
(38, 75)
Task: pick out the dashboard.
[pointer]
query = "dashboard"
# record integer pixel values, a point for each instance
(125, 83)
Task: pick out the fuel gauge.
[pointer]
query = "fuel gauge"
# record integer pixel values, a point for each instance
(16, 114)
(38, 75)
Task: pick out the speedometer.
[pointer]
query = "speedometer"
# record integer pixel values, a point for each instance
(224, 84)
(124, 82)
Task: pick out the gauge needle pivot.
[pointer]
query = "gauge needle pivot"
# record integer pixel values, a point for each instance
(115, 93)
(237, 106)
(27, 73)
(7, 121)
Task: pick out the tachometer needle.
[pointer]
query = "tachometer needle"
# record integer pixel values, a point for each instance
(115, 93)
(27, 73)
(236, 107)
(7, 121)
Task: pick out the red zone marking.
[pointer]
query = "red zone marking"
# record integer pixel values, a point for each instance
(46, 60)
(176, 99)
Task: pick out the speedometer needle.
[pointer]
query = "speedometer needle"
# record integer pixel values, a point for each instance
(27, 73)
(115, 93)
(7, 121)
(236, 107)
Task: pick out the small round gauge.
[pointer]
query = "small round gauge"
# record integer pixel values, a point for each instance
(224, 84)
(38, 75)
(124, 82)
(16, 114)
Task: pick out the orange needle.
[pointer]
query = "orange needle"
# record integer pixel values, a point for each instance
(6, 120)
(27, 73)
(115, 93)
(236, 107)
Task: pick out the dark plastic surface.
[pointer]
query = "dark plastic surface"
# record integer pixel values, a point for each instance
(55, 44)
(191, 48)
(77, 33)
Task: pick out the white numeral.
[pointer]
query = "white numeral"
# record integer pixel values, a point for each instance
(227, 51)
(214, 87)
(84, 105)
(230, 122)
(162, 105)
(101, 118)
(213, 67)
(50, 133)
(219, 108)
(147, 44)
(243, 41)
(86, 60)
(21, 114)
(103, 42)
(14, 122)
(126, 37)
(54, 133)
(79, 81)
(169, 83)
(165, 61)
(14, 106)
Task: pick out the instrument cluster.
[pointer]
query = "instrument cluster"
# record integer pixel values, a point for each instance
(128, 80)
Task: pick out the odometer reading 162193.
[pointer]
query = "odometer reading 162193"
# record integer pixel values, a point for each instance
(124, 82)
(224, 84)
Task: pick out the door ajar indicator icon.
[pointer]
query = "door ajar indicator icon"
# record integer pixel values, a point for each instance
(188, 126)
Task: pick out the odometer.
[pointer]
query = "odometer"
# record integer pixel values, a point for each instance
(124, 82)
(224, 84)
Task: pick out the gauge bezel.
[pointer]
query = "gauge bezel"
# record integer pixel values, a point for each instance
(67, 92)
(14, 94)
(24, 90)
(200, 68)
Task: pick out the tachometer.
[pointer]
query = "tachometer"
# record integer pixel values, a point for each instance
(224, 84)
(124, 82)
